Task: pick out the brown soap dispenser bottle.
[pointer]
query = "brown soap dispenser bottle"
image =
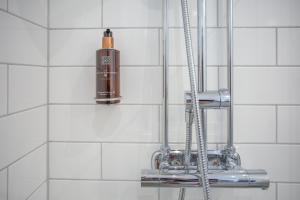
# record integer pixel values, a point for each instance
(108, 71)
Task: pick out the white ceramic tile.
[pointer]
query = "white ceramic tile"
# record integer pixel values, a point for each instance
(263, 13)
(216, 129)
(132, 13)
(3, 4)
(118, 123)
(289, 46)
(179, 82)
(175, 16)
(75, 160)
(222, 194)
(278, 160)
(20, 133)
(255, 46)
(78, 47)
(288, 191)
(255, 124)
(141, 85)
(75, 14)
(3, 184)
(74, 47)
(267, 85)
(3, 89)
(40, 194)
(95, 190)
(27, 174)
(27, 87)
(33, 10)
(77, 85)
(216, 46)
(21, 41)
(177, 52)
(137, 46)
(72, 85)
(120, 168)
(288, 124)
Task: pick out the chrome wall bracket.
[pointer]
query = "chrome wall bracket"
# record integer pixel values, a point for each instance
(217, 160)
(210, 99)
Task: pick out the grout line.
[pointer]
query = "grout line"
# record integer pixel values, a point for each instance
(158, 193)
(159, 50)
(218, 78)
(104, 180)
(276, 46)
(218, 14)
(7, 88)
(23, 110)
(102, 142)
(137, 180)
(170, 27)
(25, 65)
(158, 104)
(264, 66)
(159, 125)
(32, 193)
(276, 121)
(31, 151)
(173, 143)
(122, 66)
(48, 99)
(27, 20)
(102, 14)
(103, 105)
(101, 160)
(177, 66)
(276, 191)
(7, 182)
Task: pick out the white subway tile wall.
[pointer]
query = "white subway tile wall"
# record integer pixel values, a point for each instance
(95, 190)
(27, 174)
(3, 184)
(266, 41)
(3, 89)
(289, 191)
(288, 46)
(3, 4)
(101, 123)
(23, 100)
(78, 15)
(89, 143)
(21, 78)
(21, 41)
(132, 13)
(75, 160)
(288, 125)
(40, 193)
(33, 10)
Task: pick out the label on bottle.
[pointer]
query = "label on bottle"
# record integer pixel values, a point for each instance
(106, 60)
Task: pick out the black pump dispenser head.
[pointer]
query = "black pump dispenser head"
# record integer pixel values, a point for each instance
(108, 33)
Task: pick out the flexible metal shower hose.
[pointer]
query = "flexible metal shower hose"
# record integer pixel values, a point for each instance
(202, 154)
(188, 146)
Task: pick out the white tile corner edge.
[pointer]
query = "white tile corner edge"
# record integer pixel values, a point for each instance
(27, 174)
(3, 184)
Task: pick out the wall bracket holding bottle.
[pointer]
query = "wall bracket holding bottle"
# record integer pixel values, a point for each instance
(108, 71)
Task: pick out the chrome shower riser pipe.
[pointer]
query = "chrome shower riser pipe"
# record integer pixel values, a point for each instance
(165, 144)
(230, 70)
